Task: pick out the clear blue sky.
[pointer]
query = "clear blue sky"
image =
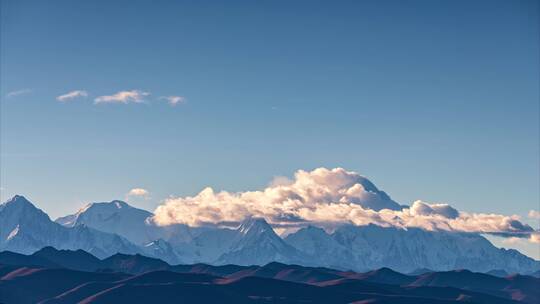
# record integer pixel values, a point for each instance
(432, 100)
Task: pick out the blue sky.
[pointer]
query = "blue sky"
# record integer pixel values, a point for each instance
(432, 100)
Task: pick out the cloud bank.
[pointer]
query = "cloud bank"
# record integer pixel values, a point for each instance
(123, 97)
(72, 95)
(329, 197)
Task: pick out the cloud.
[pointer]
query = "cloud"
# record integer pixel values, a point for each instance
(174, 100)
(535, 237)
(124, 97)
(18, 93)
(138, 192)
(72, 95)
(328, 198)
(421, 208)
(534, 214)
(512, 240)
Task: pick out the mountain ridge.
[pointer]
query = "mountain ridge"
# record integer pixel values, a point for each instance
(253, 241)
(24, 280)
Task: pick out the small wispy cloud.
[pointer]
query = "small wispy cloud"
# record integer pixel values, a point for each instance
(174, 100)
(534, 214)
(125, 97)
(72, 95)
(18, 93)
(138, 192)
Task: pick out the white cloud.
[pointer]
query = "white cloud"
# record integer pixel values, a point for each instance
(421, 208)
(329, 197)
(512, 240)
(138, 192)
(18, 93)
(174, 100)
(125, 97)
(534, 214)
(72, 95)
(535, 237)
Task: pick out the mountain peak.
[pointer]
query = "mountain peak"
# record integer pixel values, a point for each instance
(120, 204)
(112, 205)
(18, 206)
(114, 217)
(18, 200)
(254, 224)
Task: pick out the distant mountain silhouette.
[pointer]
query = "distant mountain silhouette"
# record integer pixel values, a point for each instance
(385, 276)
(133, 263)
(55, 276)
(78, 259)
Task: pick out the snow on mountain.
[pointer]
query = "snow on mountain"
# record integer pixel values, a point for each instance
(255, 243)
(209, 244)
(362, 248)
(323, 249)
(104, 229)
(26, 229)
(116, 217)
(163, 250)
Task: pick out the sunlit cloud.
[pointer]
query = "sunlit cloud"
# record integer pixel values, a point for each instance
(535, 237)
(328, 198)
(534, 214)
(139, 192)
(72, 95)
(512, 240)
(18, 93)
(123, 97)
(174, 100)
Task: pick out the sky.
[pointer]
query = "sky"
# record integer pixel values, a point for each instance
(431, 100)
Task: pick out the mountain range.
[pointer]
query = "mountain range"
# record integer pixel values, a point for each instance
(105, 229)
(65, 276)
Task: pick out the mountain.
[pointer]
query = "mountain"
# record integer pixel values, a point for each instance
(77, 259)
(132, 263)
(115, 217)
(163, 250)
(498, 273)
(136, 225)
(255, 243)
(293, 273)
(103, 228)
(374, 198)
(384, 276)
(323, 249)
(17, 259)
(362, 248)
(25, 228)
(139, 279)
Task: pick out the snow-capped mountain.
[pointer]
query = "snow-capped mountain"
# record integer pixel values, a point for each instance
(323, 249)
(26, 229)
(371, 247)
(104, 229)
(255, 243)
(116, 217)
(169, 243)
(163, 250)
